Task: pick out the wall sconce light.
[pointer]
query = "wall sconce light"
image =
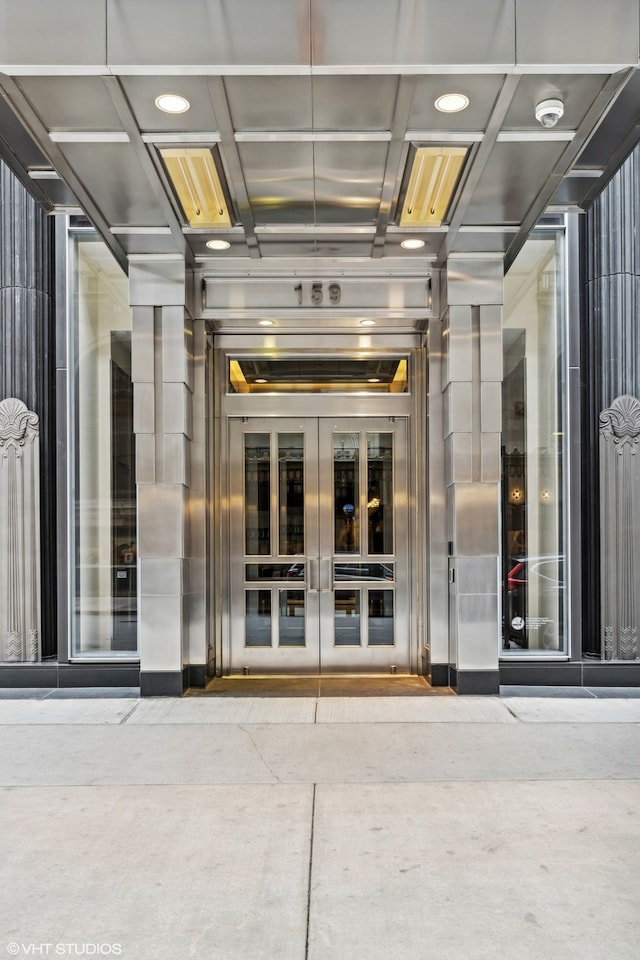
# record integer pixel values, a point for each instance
(545, 495)
(516, 495)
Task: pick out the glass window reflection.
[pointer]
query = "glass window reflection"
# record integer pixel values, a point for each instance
(257, 494)
(346, 487)
(104, 505)
(533, 574)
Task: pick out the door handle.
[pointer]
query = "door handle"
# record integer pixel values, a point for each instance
(326, 574)
(314, 574)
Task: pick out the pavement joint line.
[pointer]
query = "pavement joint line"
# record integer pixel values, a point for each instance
(136, 704)
(311, 839)
(513, 713)
(255, 746)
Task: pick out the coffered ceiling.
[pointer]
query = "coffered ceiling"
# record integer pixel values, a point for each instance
(314, 110)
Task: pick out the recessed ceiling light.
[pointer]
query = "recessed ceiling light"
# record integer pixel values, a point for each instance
(260, 380)
(265, 323)
(218, 244)
(412, 244)
(172, 103)
(373, 380)
(451, 102)
(367, 323)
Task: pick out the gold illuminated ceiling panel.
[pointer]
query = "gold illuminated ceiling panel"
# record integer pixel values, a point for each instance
(196, 181)
(434, 175)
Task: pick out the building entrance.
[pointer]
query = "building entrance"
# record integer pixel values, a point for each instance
(319, 557)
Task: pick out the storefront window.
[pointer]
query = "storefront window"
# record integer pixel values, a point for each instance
(103, 494)
(533, 437)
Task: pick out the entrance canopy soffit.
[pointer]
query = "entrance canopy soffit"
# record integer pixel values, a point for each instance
(314, 109)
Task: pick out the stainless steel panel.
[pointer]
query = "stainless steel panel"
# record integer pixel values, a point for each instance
(162, 508)
(177, 409)
(277, 297)
(144, 407)
(354, 103)
(177, 346)
(478, 630)
(476, 240)
(476, 575)
(437, 612)
(577, 93)
(491, 342)
(67, 103)
(511, 180)
(348, 181)
(475, 282)
(615, 129)
(145, 458)
(23, 146)
(161, 577)
(279, 181)
(208, 32)
(481, 89)
(40, 32)
(176, 461)
(458, 453)
(117, 182)
(476, 516)
(491, 407)
(458, 407)
(421, 32)
(157, 282)
(161, 627)
(148, 244)
(270, 103)
(577, 31)
(458, 345)
(336, 248)
(142, 92)
(490, 457)
(142, 345)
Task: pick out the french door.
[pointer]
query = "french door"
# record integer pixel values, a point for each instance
(319, 563)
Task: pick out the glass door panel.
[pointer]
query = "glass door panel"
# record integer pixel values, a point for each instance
(363, 519)
(319, 546)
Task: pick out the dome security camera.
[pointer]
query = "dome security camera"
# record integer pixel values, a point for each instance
(548, 112)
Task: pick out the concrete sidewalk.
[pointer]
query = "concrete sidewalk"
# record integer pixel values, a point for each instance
(321, 828)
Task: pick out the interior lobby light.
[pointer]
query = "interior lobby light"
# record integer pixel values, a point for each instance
(451, 102)
(413, 243)
(195, 178)
(434, 175)
(172, 103)
(218, 244)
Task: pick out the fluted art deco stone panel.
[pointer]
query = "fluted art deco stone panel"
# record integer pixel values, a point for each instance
(620, 528)
(19, 533)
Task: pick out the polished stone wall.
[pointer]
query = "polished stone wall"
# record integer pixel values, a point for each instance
(27, 352)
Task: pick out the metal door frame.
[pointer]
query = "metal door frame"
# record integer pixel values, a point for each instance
(411, 406)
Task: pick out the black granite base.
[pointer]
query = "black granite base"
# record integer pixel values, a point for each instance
(65, 675)
(198, 675)
(439, 675)
(584, 673)
(475, 682)
(163, 683)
